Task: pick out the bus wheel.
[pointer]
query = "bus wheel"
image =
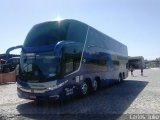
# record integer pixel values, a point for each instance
(95, 85)
(84, 88)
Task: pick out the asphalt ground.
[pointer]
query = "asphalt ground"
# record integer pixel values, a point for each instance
(138, 97)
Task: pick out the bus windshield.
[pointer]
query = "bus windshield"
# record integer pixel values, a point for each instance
(39, 67)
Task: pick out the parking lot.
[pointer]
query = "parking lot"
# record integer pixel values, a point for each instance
(137, 97)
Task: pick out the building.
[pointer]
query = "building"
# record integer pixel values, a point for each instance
(136, 62)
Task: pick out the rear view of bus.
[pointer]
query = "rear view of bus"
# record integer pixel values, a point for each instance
(60, 59)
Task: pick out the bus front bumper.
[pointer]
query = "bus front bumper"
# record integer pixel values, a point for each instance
(52, 94)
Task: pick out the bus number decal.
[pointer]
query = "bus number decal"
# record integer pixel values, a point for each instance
(69, 91)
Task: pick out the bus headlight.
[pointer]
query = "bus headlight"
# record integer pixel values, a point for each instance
(57, 86)
(52, 87)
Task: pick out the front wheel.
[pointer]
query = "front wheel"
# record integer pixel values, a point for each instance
(84, 88)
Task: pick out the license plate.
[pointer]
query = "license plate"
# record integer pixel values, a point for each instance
(32, 97)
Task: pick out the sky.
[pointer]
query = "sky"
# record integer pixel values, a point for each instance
(135, 23)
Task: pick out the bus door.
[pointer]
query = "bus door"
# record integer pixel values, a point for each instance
(71, 56)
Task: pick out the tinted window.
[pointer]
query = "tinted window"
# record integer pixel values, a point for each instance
(71, 58)
(77, 31)
(96, 39)
(96, 56)
(39, 67)
(46, 33)
(101, 40)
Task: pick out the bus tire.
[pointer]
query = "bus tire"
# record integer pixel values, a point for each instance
(84, 88)
(95, 85)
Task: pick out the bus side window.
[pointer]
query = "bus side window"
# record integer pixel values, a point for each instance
(66, 61)
(71, 58)
(109, 62)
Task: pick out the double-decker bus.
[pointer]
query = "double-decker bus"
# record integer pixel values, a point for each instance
(68, 58)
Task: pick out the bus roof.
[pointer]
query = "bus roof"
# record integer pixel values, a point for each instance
(51, 32)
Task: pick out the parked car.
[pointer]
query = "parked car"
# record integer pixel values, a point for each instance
(11, 64)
